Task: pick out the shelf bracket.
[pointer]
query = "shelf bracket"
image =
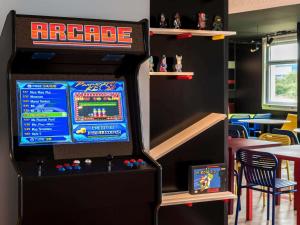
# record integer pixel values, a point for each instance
(184, 36)
(218, 37)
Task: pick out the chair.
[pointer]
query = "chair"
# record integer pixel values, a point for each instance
(259, 169)
(256, 129)
(284, 140)
(292, 125)
(234, 133)
(291, 134)
(243, 133)
(236, 117)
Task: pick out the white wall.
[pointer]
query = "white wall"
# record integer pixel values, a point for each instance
(238, 6)
(99, 9)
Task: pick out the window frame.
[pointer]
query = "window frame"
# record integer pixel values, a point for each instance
(266, 104)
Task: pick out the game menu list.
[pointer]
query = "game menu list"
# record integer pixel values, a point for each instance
(43, 112)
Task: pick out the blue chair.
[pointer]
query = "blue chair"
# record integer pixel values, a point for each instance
(235, 120)
(243, 133)
(256, 129)
(259, 169)
(291, 134)
(234, 133)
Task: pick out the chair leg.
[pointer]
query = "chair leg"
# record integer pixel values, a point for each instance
(264, 197)
(238, 206)
(268, 204)
(273, 208)
(288, 176)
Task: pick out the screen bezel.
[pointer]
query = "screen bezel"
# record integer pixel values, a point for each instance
(68, 150)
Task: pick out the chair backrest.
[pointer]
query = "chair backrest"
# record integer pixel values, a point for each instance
(233, 133)
(292, 125)
(240, 128)
(291, 134)
(235, 120)
(262, 116)
(283, 139)
(259, 168)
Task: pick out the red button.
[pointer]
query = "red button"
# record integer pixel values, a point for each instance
(66, 164)
(132, 160)
(126, 162)
(140, 160)
(58, 166)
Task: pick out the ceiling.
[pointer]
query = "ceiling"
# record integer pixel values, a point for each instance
(261, 22)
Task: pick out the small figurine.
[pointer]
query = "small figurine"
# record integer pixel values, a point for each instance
(218, 23)
(151, 64)
(177, 21)
(163, 64)
(163, 23)
(178, 65)
(201, 21)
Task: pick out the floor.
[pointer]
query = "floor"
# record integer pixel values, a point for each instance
(285, 213)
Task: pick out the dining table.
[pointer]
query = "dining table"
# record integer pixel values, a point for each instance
(287, 152)
(267, 122)
(235, 144)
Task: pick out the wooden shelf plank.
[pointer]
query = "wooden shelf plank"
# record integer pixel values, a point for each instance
(186, 135)
(205, 33)
(171, 73)
(185, 197)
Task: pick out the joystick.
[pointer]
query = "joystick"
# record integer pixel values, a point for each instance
(40, 163)
(109, 159)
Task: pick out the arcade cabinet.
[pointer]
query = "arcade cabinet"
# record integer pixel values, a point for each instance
(74, 125)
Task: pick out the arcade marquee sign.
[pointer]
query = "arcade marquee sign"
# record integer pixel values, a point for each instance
(81, 35)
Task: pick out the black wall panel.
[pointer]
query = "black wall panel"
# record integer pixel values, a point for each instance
(176, 104)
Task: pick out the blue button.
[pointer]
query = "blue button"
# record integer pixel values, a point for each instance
(62, 169)
(69, 167)
(77, 167)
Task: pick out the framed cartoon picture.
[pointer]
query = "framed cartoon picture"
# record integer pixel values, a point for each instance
(207, 178)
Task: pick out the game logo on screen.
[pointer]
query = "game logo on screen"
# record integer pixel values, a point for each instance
(98, 110)
(54, 112)
(207, 179)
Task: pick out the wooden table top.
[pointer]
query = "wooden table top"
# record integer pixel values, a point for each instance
(238, 143)
(287, 151)
(264, 121)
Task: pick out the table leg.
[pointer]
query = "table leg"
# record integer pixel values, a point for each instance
(231, 179)
(297, 194)
(278, 174)
(249, 204)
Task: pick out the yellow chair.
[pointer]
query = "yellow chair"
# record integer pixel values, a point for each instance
(292, 125)
(284, 140)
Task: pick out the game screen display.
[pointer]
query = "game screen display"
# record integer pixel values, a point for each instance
(207, 179)
(54, 112)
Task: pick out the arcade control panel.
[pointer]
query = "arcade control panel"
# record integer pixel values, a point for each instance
(84, 166)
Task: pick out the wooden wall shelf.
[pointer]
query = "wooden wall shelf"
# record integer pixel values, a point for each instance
(186, 135)
(171, 73)
(180, 198)
(181, 33)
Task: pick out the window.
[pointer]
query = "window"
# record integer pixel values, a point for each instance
(280, 73)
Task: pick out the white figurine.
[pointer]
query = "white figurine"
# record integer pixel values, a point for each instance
(177, 21)
(151, 64)
(178, 65)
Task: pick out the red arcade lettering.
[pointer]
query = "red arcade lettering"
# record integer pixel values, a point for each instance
(81, 35)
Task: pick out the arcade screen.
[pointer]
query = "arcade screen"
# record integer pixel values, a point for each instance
(62, 112)
(207, 179)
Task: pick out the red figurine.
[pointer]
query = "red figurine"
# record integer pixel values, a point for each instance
(201, 21)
